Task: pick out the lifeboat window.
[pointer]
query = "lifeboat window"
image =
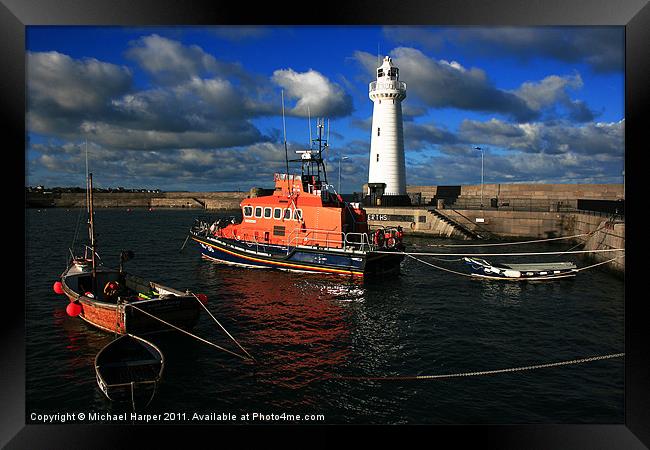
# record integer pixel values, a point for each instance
(277, 213)
(377, 156)
(267, 213)
(258, 211)
(287, 214)
(248, 211)
(297, 214)
(378, 130)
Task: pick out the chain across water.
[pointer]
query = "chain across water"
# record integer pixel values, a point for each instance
(484, 372)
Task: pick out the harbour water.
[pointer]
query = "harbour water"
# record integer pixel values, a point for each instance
(306, 329)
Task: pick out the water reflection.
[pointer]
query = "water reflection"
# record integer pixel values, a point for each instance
(501, 293)
(295, 324)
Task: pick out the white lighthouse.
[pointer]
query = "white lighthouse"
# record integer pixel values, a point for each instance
(387, 140)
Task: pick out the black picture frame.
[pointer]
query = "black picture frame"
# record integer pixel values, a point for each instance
(15, 15)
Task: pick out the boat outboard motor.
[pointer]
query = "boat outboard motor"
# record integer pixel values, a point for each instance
(125, 255)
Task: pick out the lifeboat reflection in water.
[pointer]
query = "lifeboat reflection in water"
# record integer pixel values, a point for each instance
(299, 325)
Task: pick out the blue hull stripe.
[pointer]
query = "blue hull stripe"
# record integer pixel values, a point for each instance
(299, 260)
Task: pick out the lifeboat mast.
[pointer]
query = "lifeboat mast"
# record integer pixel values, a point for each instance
(312, 163)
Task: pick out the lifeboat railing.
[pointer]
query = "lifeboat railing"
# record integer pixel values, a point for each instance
(346, 241)
(309, 236)
(300, 236)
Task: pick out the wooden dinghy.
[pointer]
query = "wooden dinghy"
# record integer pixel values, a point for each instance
(129, 369)
(519, 272)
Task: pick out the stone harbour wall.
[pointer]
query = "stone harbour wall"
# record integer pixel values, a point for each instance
(529, 191)
(201, 200)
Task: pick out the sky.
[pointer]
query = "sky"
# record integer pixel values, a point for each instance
(200, 108)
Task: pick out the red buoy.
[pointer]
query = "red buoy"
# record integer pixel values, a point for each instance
(58, 287)
(73, 309)
(202, 298)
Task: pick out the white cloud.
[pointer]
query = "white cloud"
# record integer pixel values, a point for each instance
(74, 85)
(312, 89)
(550, 90)
(170, 60)
(61, 89)
(589, 139)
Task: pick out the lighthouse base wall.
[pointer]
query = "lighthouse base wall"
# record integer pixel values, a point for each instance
(387, 200)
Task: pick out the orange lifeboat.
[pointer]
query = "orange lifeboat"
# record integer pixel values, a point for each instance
(303, 225)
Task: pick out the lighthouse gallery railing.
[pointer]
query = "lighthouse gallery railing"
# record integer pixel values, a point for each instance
(394, 85)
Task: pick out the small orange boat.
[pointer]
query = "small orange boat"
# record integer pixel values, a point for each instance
(304, 225)
(118, 302)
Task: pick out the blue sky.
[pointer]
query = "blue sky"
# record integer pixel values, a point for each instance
(198, 108)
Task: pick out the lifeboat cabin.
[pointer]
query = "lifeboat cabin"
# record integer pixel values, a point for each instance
(299, 213)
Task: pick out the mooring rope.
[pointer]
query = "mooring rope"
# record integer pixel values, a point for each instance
(600, 263)
(222, 327)
(183, 246)
(495, 244)
(551, 277)
(441, 268)
(446, 260)
(187, 332)
(523, 242)
(501, 254)
(479, 373)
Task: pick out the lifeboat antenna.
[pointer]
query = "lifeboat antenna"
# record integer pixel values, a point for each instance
(327, 142)
(309, 122)
(286, 152)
